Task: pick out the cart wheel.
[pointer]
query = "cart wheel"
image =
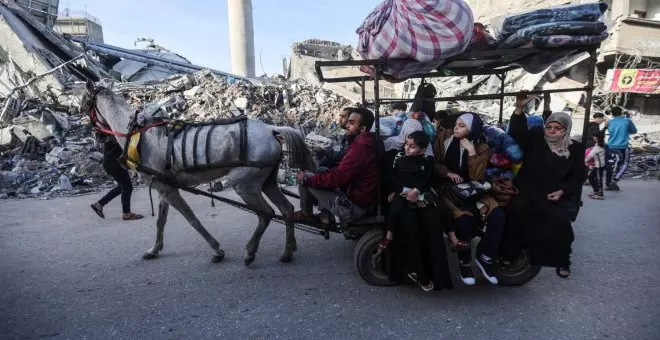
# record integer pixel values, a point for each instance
(518, 273)
(369, 262)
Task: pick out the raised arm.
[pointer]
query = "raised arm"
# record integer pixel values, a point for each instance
(518, 124)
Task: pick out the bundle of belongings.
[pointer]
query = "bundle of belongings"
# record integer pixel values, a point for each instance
(558, 27)
(415, 36)
(391, 125)
(576, 25)
(422, 109)
(505, 155)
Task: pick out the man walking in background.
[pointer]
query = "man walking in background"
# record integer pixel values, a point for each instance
(619, 128)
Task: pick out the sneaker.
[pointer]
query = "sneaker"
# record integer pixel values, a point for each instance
(487, 269)
(467, 275)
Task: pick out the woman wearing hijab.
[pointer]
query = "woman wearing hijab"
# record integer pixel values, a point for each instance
(552, 174)
(461, 155)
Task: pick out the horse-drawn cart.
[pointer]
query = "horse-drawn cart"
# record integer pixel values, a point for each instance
(492, 62)
(172, 159)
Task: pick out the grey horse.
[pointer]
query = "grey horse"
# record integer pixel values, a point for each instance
(114, 113)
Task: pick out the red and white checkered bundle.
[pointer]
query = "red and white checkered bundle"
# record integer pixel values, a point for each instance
(423, 32)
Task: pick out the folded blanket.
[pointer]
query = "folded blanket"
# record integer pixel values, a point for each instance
(587, 12)
(568, 40)
(537, 63)
(577, 28)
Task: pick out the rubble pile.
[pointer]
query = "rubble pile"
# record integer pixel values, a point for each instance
(48, 150)
(67, 162)
(203, 96)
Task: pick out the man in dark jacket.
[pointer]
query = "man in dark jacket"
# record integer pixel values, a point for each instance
(593, 128)
(348, 190)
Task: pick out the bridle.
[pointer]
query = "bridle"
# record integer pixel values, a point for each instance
(100, 125)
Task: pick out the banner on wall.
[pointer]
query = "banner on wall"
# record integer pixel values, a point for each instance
(634, 80)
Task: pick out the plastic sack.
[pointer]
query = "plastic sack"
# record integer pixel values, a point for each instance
(391, 125)
(500, 142)
(500, 161)
(422, 31)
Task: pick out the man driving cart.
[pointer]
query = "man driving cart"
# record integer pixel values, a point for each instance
(348, 190)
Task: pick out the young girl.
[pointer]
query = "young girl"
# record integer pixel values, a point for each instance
(411, 183)
(595, 160)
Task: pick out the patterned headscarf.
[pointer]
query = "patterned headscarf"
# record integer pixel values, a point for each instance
(559, 143)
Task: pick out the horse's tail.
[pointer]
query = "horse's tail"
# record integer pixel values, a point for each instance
(294, 142)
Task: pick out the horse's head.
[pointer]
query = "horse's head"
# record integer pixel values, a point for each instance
(88, 106)
(106, 110)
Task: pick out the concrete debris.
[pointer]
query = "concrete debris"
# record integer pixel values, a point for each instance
(323, 49)
(204, 96)
(314, 140)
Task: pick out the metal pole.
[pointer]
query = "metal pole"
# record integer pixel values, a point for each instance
(377, 70)
(149, 59)
(590, 88)
(502, 78)
(364, 96)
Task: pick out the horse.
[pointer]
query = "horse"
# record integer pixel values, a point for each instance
(110, 113)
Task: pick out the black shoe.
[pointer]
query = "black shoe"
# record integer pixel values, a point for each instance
(487, 269)
(467, 275)
(613, 187)
(563, 272)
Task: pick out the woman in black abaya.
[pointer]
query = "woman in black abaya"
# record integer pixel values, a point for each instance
(549, 181)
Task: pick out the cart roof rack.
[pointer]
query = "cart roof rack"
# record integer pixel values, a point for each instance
(483, 62)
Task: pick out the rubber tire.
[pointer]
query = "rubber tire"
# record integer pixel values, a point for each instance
(366, 246)
(528, 273)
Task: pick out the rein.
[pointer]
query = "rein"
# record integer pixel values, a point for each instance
(104, 128)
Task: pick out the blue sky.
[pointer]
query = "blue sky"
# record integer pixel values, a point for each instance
(198, 29)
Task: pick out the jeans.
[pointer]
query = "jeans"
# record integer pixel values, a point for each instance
(334, 201)
(596, 179)
(124, 188)
(490, 243)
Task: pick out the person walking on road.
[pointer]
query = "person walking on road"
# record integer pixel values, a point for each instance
(111, 153)
(620, 128)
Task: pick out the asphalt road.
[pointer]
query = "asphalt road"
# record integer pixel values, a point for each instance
(66, 274)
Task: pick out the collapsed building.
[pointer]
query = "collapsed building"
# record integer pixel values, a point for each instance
(46, 144)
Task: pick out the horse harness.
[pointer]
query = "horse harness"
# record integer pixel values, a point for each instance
(131, 158)
(176, 128)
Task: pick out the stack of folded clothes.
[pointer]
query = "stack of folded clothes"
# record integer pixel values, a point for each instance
(567, 26)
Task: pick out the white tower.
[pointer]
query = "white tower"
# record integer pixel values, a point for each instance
(241, 37)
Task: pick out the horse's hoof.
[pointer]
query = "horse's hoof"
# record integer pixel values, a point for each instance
(149, 256)
(286, 258)
(217, 258)
(248, 260)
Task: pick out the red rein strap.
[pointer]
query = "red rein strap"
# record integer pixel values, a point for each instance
(100, 128)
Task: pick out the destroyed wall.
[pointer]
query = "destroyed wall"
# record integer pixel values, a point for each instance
(21, 55)
(302, 67)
